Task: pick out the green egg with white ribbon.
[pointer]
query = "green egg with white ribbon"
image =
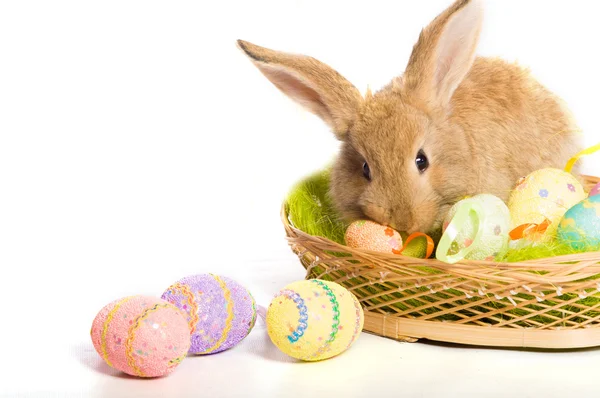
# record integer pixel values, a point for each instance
(476, 228)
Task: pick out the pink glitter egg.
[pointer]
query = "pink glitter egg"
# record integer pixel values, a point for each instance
(141, 336)
(220, 312)
(595, 191)
(368, 235)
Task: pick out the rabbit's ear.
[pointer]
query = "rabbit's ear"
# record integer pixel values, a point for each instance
(316, 86)
(444, 53)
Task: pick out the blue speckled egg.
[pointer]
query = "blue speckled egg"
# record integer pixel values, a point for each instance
(580, 226)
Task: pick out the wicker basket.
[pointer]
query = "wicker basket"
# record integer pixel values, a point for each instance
(548, 303)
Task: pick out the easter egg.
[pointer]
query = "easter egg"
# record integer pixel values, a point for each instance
(545, 194)
(493, 238)
(369, 235)
(141, 336)
(314, 320)
(417, 248)
(580, 226)
(220, 312)
(596, 190)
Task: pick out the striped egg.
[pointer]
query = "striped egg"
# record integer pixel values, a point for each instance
(141, 336)
(369, 235)
(314, 319)
(220, 311)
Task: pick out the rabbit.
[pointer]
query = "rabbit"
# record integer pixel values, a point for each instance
(453, 125)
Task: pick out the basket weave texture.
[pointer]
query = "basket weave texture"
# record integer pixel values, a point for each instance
(551, 303)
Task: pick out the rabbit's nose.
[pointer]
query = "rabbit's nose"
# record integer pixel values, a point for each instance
(404, 224)
(378, 214)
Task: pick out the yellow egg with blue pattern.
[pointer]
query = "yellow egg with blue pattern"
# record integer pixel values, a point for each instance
(314, 319)
(580, 227)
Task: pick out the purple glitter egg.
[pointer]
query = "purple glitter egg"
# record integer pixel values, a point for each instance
(220, 311)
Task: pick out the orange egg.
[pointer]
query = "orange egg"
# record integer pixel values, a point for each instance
(369, 235)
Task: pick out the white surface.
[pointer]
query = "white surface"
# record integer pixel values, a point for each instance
(138, 145)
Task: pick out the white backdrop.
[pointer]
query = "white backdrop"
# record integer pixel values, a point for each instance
(139, 145)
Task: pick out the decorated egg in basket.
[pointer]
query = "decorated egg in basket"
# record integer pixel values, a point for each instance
(544, 196)
(369, 235)
(580, 227)
(475, 228)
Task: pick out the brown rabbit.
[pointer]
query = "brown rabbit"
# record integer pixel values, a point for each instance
(453, 125)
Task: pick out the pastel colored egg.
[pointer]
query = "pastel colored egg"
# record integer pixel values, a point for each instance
(596, 190)
(494, 237)
(141, 336)
(369, 235)
(580, 226)
(544, 194)
(220, 312)
(314, 319)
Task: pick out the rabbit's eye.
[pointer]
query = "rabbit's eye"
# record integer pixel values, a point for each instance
(366, 171)
(422, 162)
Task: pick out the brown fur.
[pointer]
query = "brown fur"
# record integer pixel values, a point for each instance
(483, 123)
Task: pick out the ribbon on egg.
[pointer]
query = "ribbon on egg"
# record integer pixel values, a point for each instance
(462, 215)
(585, 152)
(530, 231)
(430, 243)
